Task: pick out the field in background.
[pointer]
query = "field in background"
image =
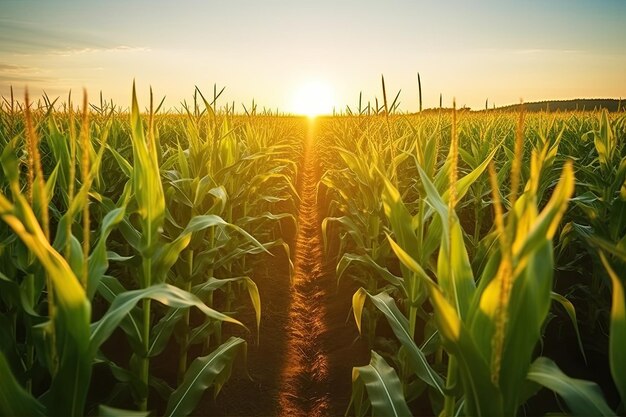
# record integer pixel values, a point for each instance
(480, 257)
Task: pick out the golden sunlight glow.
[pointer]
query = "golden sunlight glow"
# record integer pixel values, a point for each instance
(313, 99)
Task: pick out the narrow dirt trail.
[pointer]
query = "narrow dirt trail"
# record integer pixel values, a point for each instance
(304, 380)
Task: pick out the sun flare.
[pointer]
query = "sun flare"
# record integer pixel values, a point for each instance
(313, 98)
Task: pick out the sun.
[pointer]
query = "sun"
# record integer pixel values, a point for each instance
(312, 99)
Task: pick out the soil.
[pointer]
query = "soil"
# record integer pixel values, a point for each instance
(308, 345)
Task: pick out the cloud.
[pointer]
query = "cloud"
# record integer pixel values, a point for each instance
(96, 50)
(531, 51)
(25, 38)
(18, 74)
(536, 51)
(23, 79)
(12, 68)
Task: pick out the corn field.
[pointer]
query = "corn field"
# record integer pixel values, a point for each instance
(480, 258)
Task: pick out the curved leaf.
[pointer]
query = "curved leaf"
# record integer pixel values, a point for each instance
(367, 261)
(571, 312)
(168, 254)
(68, 389)
(106, 411)
(400, 326)
(15, 400)
(384, 389)
(202, 373)
(617, 336)
(164, 293)
(454, 272)
(98, 261)
(253, 291)
(584, 398)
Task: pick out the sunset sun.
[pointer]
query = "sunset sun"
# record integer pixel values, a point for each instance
(313, 98)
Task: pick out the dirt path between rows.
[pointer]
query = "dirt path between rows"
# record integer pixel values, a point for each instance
(304, 390)
(308, 345)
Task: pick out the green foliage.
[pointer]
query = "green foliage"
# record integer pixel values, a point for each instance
(113, 210)
(180, 207)
(486, 264)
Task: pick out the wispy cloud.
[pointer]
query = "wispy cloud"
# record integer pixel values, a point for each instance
(12, 68)
(23, 79)
(96, 50)
(28, 38)
(538, 51)
(11, 73)
(531, 51)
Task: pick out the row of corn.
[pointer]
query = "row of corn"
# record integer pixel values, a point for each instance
(127, 235)
(456, 226)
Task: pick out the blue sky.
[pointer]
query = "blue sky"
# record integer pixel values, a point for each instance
(496, 50)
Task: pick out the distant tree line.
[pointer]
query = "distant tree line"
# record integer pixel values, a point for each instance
(611, 105)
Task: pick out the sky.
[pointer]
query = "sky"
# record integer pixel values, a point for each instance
(496, 50)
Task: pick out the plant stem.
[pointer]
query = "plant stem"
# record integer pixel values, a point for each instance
(449, 401)
(145, 335)
(182, 360)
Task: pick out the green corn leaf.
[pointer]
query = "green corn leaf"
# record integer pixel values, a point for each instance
(530, 295)
(400, 219)
(358, 398)
(434, 199)
(367, 262)
(345, 222)
(583, 398)
(11, 295)
(146, 180)
(546, 223)
(106, 411)
(604, 141)
(384, 389)
(68, 389)
(59, 145)
(400, 327)
(161, 332)
(403, 229)
(409, 262)
(528, 308)
(617, 336)
(51, 183)
(212, 284)
(167, 255)
(125, 302)
(571, 312)
(78, 202)
(183, 161)
(463, 184)
(482, 396)
(10, 162)
(15, 400)
(454, 271)
(98, 261)
(109, 289)
(124, 165)
(203, 373)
